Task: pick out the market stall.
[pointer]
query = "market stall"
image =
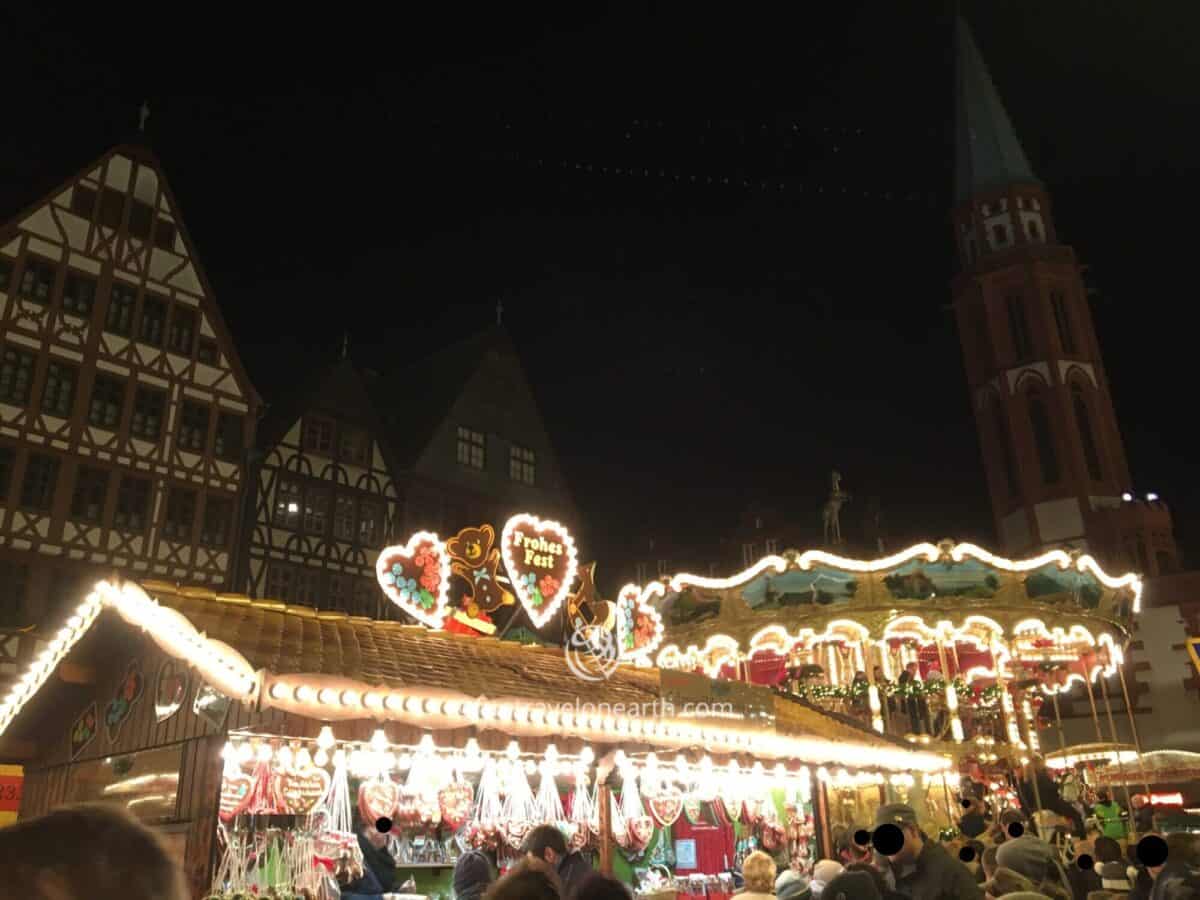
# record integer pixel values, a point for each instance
(261, 737)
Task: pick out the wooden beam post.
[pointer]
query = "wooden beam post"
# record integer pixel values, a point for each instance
(604, 798)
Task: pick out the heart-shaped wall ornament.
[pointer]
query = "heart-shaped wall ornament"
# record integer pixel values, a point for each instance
(541, 561)
(578, 836)
(731, 798)
(515, 832)
(302, 790)
(416, 577)
(377, 800)
(408, 808)
(639, 625)
(456, 800)
(235, 794)
(752, 810)
(666, 807)
(641, 829)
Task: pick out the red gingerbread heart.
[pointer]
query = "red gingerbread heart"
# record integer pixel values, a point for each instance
(377, 800)
(541, 562)
(416, 577)
(515, 832)
(455, 800)
(666, 807)
(641, 829)
(235, 794)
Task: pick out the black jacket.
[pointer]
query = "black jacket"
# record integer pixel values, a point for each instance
(572, 869)
(1176, 881)
(936, 876)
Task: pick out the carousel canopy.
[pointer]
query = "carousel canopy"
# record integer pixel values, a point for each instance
(331, 666)
(801, 598)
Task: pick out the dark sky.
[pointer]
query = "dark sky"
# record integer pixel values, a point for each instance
(693, 346)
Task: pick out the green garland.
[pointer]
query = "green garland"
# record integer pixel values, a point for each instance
(987, 697)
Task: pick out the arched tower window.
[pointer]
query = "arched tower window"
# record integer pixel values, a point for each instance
(999, 429)
(1083, 418)
(1043, 437)
(1018, 326)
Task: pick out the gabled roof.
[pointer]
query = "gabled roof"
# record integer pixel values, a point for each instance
(333, 666)
(988, 153)
(141, 153)
(338, 389)
(414, 401)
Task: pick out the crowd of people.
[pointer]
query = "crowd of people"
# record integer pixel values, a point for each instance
(113, 857)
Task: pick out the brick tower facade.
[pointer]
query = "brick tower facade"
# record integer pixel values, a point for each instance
(1056, 467)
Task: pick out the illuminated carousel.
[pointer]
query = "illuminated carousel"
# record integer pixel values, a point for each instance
(942, 644)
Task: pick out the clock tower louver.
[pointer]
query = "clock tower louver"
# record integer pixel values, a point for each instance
(1056, 467)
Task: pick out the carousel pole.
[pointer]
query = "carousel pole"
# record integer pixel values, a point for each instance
(1062, 739)
(956, 729)
(1137, 741)
(1087, 683)
(873, 700)
(1112, 726)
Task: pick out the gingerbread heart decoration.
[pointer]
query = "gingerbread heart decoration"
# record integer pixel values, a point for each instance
(455, 801)
(666, 807)
(731, 799)
(515, 832)
(235, 795)
(303, 790)
(408, 807)
(377, 800)
(641, 829)
(541, 561)
(416, 577)
(639, 625)
(752, 810)
(579, 837)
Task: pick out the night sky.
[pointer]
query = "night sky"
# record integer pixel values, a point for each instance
(694, 344)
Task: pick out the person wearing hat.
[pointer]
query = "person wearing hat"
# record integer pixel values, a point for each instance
(1114, 877)
(1036, 860)
(824, 872)
(915, 866)
(472, 875)
(791, 885)
(852, 886)
(1005, 881)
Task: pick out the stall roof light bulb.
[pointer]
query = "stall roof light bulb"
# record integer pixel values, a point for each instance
(1152, 496)
(285, 757)
(472, 748)
(379, 741)
(339, 757)
(229, 752)
(264, 752)
(425, 745)
(303, 759)
(551, 753)
(320, 758)
(513, 750)
(588, 755)
(325, 739)
(245, 753)
(1127, 496)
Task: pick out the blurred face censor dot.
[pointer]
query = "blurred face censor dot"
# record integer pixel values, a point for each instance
(888, 840)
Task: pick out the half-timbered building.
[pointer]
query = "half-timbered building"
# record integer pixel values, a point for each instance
(358, 460)
(124, 410)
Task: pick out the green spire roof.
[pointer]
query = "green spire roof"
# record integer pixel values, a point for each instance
(988, 154)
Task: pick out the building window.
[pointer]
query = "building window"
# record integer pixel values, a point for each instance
(13, 579)
(119, 319)
(343, 517)
(367, 596)
(193, 426)
(280, 581)
(218, 511)
(748, 556)
(1018, 326)
(133, 500)
(1035, 233)
(1087, 436)
(79, 295)
(206, 351)
(83, 201)
(91, 490)
(471, 447)
(141, 219)
(370, 523)
(164, 235)
(58, 396)
(148, 405)
(154, 320)
(227, 444)
(316, 510)
(16, 376)
(41, 476)
(37, 279)
(288, 501)
(338, 593)
(1043, 437)
(181, 515)
(521, 465)
(112, 208)
(1063, 321)
(1000, 436)
(6, 270)
(354, 446)
(772, 547)
(108, 399)
(318, 435)
(183, 331)
(7, 457)
(306, 588)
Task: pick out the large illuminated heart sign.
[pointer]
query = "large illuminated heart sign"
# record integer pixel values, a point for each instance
(416, 577)
(541, 562)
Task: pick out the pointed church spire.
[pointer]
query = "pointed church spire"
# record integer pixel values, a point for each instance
(988, 152)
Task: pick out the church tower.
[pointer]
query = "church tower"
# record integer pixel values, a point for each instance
(1055, 463)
